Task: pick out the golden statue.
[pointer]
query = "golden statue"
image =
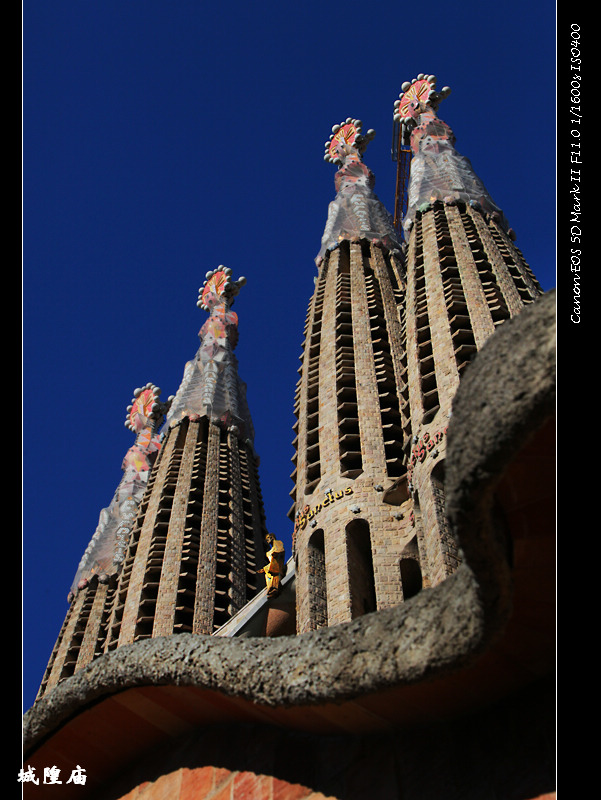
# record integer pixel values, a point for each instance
(275, 569)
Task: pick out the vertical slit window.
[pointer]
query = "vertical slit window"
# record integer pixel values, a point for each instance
(249, 524)
(495, 300)
(79, 630)
(104, 619)
(360, 568)
(223, 586)
(313, 464)
(517, 267)
(410, 570)
(427, 374)
(188, 567)
(464, 344)
(156, 553)
(349, 440)
(390, 414)
(318, 593)
(120, 593)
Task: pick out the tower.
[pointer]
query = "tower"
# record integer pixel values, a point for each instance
(83, 634)
(179, 548)
(464, 277)
(390, 329)
(349, 443)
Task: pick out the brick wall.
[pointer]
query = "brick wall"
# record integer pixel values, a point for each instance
(214, 783)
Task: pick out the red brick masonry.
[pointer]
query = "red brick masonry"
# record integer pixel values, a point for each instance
(212, 783)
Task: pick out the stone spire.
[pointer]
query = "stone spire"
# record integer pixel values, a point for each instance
(356, 212)
(438, 171)
(211, 386)
(348, 443)
(81, 636)
(179, 548)
(464, 277)
(106, 549)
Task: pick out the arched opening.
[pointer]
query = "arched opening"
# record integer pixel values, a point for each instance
(411, 577)
(360, 568)
(410, 569)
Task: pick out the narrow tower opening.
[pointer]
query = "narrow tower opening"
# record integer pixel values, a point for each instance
(410, 570)
(186, 589)
(349, 439)
(388, 396)
(318, 591)
(423, 334)
(360, 568)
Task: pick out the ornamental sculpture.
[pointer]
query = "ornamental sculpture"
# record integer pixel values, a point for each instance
(438, 171)
(210, 386)
(356, 212)
(275, 569)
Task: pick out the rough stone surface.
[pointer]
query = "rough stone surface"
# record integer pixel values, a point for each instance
(437, 631)
(504, 399)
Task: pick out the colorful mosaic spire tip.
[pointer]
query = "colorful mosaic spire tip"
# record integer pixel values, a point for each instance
(145, 407)
(415, 96)
(346, 137)
(218, 288)
(210, 385)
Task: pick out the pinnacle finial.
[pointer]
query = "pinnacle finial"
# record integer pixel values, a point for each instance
(346, 138)
(145, 407)
(218, 288)
(417, 95)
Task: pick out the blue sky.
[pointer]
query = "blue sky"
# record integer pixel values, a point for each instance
(165, 137)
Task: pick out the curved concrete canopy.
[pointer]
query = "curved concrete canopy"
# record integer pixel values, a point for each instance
(485, 631)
